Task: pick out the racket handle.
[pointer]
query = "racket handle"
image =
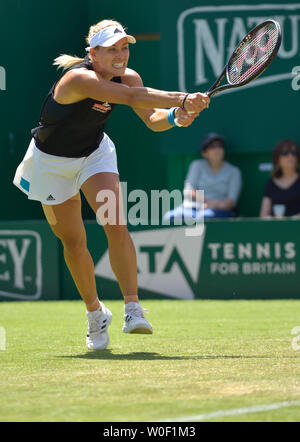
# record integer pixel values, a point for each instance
(177, 124)
(209, 93)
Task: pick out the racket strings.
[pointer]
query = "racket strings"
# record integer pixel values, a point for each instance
(253, 55)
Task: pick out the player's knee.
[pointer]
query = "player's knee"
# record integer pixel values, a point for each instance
(117, 234)
(72, 241)
(73, 245)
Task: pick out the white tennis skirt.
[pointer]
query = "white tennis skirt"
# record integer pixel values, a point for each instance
(52, 179)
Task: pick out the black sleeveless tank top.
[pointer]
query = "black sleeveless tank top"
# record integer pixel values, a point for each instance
(72, 130)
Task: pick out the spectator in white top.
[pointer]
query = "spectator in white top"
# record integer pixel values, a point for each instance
(220, 180)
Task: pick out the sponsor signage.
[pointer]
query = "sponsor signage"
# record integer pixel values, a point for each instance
(258, 258)
(213, 32)
(2, 78)
(238, 259)
(28, 262)
(20, 264)
(168, 262)
(196, 43)
(232, 259)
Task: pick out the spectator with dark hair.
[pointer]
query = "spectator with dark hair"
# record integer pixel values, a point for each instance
(220, 181)
(282, 193)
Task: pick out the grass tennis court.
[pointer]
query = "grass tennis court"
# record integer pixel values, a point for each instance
(204, 356)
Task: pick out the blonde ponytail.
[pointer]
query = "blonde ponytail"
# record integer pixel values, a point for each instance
(66, 61)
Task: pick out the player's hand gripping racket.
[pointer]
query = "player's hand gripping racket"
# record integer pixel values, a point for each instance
(251, 58)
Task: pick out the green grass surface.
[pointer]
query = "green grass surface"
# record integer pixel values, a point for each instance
(204, 356)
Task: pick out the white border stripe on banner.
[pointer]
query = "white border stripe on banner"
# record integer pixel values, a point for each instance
(236, 411)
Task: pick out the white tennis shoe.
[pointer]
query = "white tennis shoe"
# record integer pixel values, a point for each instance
(134, 320)
(97, 335)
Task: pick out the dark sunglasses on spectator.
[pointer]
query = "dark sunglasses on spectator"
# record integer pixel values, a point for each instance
(285, 153)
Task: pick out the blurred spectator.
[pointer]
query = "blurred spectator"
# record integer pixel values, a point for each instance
(282, 193)
(220, 181)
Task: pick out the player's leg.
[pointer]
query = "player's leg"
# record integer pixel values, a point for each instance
(105, 187)
(120, 246)
(66, 223)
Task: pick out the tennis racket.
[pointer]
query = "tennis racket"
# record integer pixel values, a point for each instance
(251, 57)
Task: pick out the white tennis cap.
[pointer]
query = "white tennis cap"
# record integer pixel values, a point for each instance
(109, 36)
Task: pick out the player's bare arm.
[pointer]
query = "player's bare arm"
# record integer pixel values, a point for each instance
(82, 83)
(156, 119)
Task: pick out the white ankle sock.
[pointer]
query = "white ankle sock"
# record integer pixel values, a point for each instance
(131, 306)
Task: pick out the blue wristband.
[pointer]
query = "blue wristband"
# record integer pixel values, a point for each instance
(171, 116)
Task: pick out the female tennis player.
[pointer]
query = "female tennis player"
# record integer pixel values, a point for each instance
(70, 152)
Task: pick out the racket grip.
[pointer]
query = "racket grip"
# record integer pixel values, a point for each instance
(176, 122)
